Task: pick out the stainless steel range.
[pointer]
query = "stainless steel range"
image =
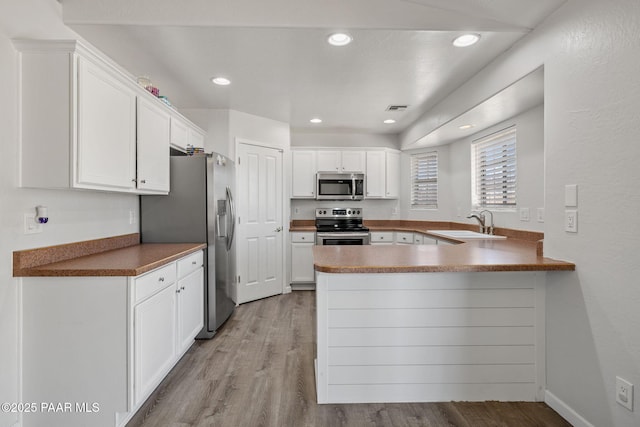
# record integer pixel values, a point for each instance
(340, 226)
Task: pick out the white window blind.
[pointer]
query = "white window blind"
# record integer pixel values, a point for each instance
(424, 180)
(494, 169)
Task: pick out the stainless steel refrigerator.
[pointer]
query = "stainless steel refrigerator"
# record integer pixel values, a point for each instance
(199, 208)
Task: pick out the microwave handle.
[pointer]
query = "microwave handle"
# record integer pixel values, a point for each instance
(353, 187)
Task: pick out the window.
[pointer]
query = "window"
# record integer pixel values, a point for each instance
(493, 162)
(424, 180)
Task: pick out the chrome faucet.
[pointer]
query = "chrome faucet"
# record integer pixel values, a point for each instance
(489, 229)
(480, 217)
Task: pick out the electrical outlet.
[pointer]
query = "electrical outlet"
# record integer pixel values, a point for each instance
(31, 226)
(296, 210)
(624, 393)
(524, 214)
(571, 221)
(540, 212)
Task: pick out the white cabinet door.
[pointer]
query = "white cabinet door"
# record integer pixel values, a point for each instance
(382, 238)
(375, 174)
(404, 238)
(302, 257)
(154, 341)
(392, 175)
(154, 126)
(353, 161)
(303, 174)
(179, 133)
(196, 139)
(328, 161)
(106, 133)
(190, 308)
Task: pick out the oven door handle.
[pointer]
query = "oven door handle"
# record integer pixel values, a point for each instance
(341, 234)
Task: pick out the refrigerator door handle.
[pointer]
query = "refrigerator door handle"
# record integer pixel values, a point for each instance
(232, 208)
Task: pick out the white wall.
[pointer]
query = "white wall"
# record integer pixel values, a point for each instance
(306, 138)
(530, 169)
(591, 54)
(74, 215)
(223, 127)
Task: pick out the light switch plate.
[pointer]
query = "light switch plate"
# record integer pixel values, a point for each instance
(571, 195)
(571, 221)
(524, 214)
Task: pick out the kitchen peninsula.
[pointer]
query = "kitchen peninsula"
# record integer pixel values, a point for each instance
(420, 323)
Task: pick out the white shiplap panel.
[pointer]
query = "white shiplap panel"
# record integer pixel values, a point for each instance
(375, 393)
(375, 337)
(391, 281)
(429, 298)
(432, 374)
(431, 317)
(431, 355)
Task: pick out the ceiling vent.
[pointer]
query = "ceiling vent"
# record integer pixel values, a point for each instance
(397, 107)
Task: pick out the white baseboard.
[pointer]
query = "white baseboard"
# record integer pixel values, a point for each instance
(565, 410)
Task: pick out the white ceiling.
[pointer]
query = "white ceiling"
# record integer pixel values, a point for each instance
(280, 64)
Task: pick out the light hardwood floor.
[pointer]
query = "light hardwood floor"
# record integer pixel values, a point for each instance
(258, 371)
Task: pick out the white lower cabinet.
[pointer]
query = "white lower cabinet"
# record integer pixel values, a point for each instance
(404, 238)
(382, 237)
(106, 340)
(302, 270)
(154, 341)
(190, 310)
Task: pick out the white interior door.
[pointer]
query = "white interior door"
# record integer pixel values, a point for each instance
(260, 230)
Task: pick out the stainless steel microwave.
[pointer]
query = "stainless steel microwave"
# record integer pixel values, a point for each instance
(340, 186)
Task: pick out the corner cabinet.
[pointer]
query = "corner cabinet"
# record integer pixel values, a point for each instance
(85, 122)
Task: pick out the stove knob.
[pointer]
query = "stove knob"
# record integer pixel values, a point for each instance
(358, 212)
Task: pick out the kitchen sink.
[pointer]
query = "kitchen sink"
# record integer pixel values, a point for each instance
(464, 234)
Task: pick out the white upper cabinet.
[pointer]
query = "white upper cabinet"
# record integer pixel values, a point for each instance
(106, 131)
(303, 174)
(179, 133)
(85, 122)
(184, 135)
(153, 147)
(392, 183)
(376, 174)
(341, 161)
(380, 165)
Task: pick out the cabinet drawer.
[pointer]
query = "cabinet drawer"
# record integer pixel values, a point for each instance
(381, 236)
(402, 237)
(154, 281)
(190, 263)
(303, 237)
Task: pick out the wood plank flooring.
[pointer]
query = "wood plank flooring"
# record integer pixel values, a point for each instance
(258, 371)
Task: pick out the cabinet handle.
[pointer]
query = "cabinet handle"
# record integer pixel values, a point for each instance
(134, 180)
(160, 279)
(182, 288)
(177, 291)
(144, 181)
(193, 263)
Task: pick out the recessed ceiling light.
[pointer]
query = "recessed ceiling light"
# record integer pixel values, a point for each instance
(221, 81)
(339, 39)
(316, 120)
(466, 40)
(389, 121)
(465, 127)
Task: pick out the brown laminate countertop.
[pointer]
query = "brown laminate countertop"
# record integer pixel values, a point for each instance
(478, 255)
(127, 261)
